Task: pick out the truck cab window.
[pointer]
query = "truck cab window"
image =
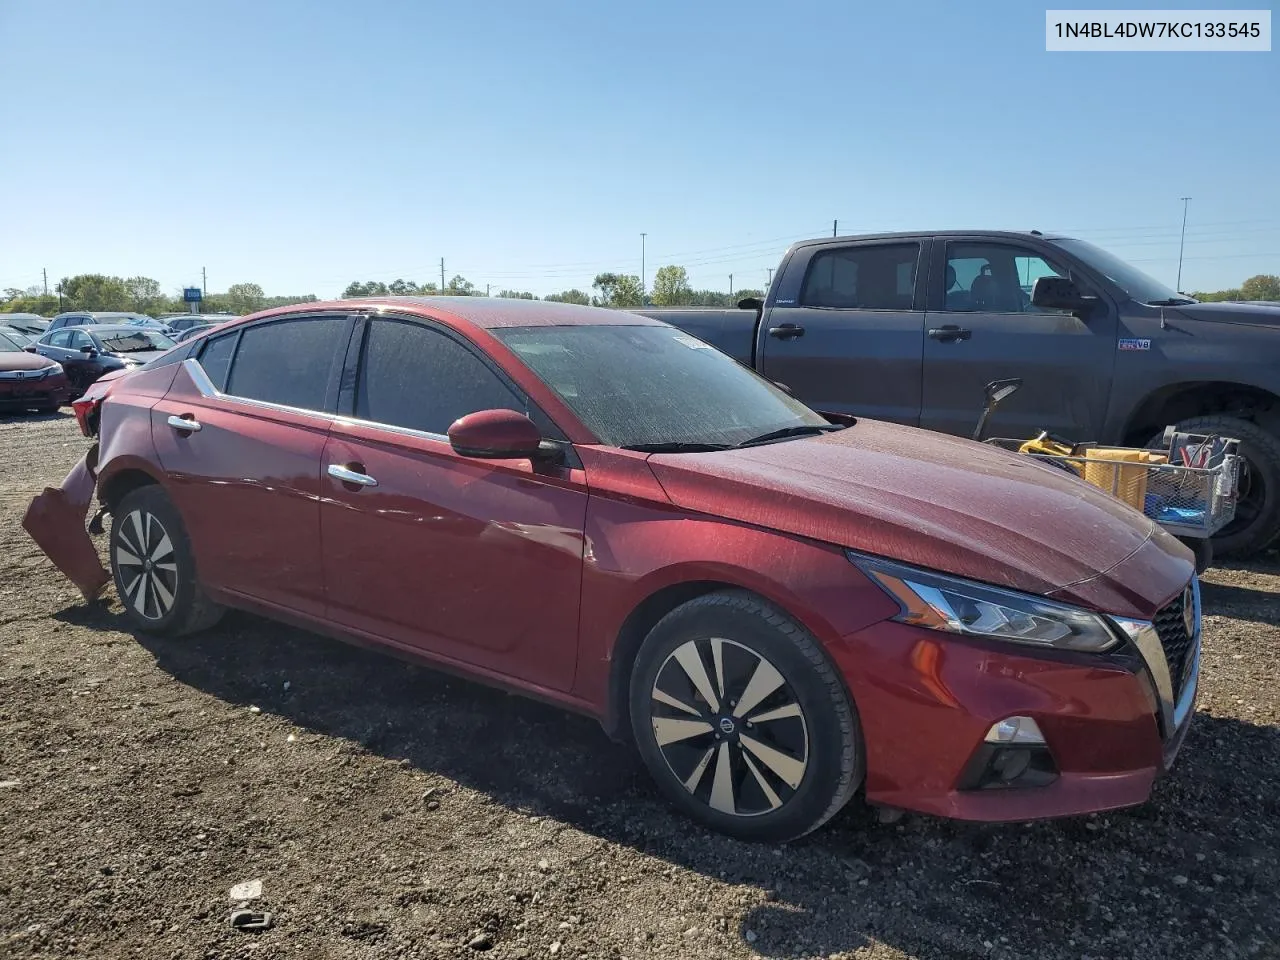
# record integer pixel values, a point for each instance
(993, 278)
(865, 277)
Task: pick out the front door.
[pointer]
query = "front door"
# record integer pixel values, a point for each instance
(240, 434)
(851, 339)
(475, 561)
(981, 327)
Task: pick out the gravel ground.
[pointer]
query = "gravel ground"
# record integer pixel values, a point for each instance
(392, 812)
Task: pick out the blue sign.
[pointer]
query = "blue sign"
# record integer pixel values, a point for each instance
(192, 294)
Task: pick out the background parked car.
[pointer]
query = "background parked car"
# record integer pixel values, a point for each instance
(30, 323)
(88, 352)
(29, 381)
(193, 331)
(180, 322)
(85, 318)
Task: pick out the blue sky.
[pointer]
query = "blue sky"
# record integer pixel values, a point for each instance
(301, 144)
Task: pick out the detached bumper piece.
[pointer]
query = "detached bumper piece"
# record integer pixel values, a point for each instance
(55, 520)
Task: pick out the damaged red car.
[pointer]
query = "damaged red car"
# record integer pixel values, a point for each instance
(779, 608)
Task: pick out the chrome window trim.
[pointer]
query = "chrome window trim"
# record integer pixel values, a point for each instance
(391, 428)
(207, 390)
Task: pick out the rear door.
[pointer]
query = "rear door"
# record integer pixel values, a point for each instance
(476, 561)
(981, 327)
(846, 333)
(240, 434)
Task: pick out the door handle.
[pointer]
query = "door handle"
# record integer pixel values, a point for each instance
(347, 475)
(949, 333)
(787, 331)
(186, 424)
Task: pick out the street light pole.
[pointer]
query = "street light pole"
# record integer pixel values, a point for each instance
(642, 236)
(1182, 243)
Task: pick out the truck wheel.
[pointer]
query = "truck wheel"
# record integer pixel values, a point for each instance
(1257, 522)
(743, 721)
(153, 566)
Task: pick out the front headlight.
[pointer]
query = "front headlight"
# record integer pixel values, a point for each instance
(952, 605)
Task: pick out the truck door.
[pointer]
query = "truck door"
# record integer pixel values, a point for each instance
(981, 327)
(846, 330)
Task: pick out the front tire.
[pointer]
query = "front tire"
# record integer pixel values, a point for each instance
(743, 721)
(154, 568)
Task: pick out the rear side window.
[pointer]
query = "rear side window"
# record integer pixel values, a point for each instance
(59, 339)
(287, 361)
(415, 377)
(880, 277)
(79, 339)
(215, 358)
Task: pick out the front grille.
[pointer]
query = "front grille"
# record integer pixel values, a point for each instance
(1175, 639)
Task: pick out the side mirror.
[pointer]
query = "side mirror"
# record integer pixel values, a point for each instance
(1059, 293)
(31, 348)
(496, 435)
(89, 351)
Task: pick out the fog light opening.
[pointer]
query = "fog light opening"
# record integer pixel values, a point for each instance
(1015, 730)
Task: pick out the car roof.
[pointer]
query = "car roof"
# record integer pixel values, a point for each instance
(927, 234)
(484, 312)
(98, 329)
(101, 313)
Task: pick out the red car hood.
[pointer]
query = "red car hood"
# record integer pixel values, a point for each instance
(13, 360)
(923, 498)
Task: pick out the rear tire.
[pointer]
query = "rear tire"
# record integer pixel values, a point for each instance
(742, 720)
(154, 568)
(1257, 522)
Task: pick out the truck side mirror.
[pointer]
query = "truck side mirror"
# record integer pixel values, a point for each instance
(1059, 293)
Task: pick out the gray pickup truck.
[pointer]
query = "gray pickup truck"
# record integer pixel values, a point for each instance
(910, 327)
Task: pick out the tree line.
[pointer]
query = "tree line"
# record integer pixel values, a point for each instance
(1265, 286)
(670, 289)
(96, 291)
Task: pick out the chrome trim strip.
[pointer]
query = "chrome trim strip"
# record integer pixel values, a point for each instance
(390, 428)
(1147, 640)
(210, 392)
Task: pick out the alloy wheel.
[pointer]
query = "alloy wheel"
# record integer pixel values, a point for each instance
(729, 726)
(148, 567)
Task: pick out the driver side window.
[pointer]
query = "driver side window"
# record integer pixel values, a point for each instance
(79, 339)
(994, 278)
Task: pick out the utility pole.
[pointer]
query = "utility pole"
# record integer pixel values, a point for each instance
(204, 282)
(770, 282)
(1182, 243)
(486, 290)
(442, 276)
(45, 271)
(731, 286)
(642, 236)
(834, 228)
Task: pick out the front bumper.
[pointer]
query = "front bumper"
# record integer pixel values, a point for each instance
(926, 701)
(30, 392)
(55, 520)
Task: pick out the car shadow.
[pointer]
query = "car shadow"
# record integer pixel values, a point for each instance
(928, 887)
(1243, 603)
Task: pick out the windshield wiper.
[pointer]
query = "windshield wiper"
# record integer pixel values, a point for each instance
(1171, 302)
(785, 432)
(677, 446)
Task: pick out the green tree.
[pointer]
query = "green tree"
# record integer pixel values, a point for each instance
(516, 295)
(569, 296)
(460, 286)
(671, 287)
(94, 291)
(145, 295)
(370, 288)
(606, 283)
(1218, 296)
(1265, 286)
(244, 298)
(402, 288)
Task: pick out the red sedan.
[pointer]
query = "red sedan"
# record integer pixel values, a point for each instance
(594, 508)
(29, 381)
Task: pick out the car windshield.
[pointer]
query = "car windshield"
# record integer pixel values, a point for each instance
(1128, 278)
(11, 344)
(135, 341)
(655, 385)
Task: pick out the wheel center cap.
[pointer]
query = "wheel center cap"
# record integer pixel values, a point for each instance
(147, 565)
(727, 725)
